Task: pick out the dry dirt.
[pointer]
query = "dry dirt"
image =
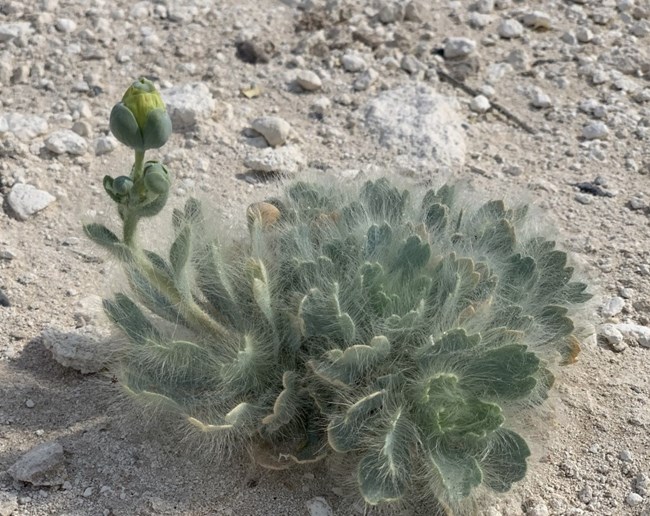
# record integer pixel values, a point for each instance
(597, 443)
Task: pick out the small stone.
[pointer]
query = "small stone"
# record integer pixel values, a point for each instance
(458, 47)
(540, 100)
(318, 506)
(633, 499)
(254, 52)
(65, 25)
(80, 349)
(410, 64)
(66, 141)
(613, 337)
(4, 300)
(538, 508)
(625, 455)
(321, 106)
(595, 131)
(642, 484)
(9, 31)
(82, 128)
(583, 198)
(353, 63)
(509, 29)
(537, 20)
(88, 492)
(635, 331)
(30, 404)
(480, 104)
(569, 38)
(613, 306)
(24, 127)
(584, 35)
(8, 503)
(586, 494)
(366, 79)
(43, 465)
(274, 129)
(285, 160)
(308, 80)
(26, 200)
(391, 12)
(104, 145)
(412, 12)
(189, 104)
(513, 170)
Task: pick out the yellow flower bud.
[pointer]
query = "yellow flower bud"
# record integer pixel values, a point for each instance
(140, 120)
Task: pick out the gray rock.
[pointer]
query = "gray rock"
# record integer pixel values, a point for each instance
(584, 35)
(642, 484)
(82, 128)
(66, 141)
(537, 20)
(321, 105)
(80, 349)
(353, 63)
(595, 131)
(285, 160)
(308, 80)
(104, 145)
(540, 100)
(366, 79)
(10, 31)
(410, 64)
(274, 129)
(189, 104)
(25, 200)
(318, 506)
(24, 127)
(509, 29)
(613, 306)
(458, 47)
(480, 104)
(8, 503)
(420, 122)
(483, 6)
(41, 466)
(391, 12)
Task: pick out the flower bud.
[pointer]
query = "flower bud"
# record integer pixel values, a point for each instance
(140, 120)
(122, 185)
(156, 178)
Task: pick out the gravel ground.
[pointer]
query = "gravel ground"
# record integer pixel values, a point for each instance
(545, 100)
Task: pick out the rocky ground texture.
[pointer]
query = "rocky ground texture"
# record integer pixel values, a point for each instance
(544, 100)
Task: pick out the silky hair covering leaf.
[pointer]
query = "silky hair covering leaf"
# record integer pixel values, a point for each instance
(410, 331)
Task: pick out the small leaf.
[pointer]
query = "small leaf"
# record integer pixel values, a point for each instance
(180, 251)
(322, 316)
(126, 314)
(101, 235)
(504, 460)
(285, 405)
(413, 255)
(384, 472)
(458, 472)
(343, 432)
(378, 240)
(436, 217)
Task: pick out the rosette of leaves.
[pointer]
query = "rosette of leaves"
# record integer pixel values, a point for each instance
(410, 333)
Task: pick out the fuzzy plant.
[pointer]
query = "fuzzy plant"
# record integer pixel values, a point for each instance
(411, 332)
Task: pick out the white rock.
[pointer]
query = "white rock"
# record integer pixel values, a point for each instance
(595, 131)
(25, 200)
(540, 99)
(274, 129)
(285, 160)
(104, 145)
(79, 349)
(509, 29)
(318, 506)
(66, 141)
(188, 104)
(10, 31)
(478, 20)
(635, 331)
(633, 499)
(613, 337)
(24, 127)
(484, 6)
(366, 79)
(613, 306)
(458, 47)
(8, 503)
(480, 104)
(537, 20)
(308, 80)
(420, 123)
(353, 63)
(321, 106)
(65, 25)
(43, 465)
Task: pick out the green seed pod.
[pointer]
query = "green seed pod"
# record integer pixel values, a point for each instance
(156, 177)
(140, 120)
